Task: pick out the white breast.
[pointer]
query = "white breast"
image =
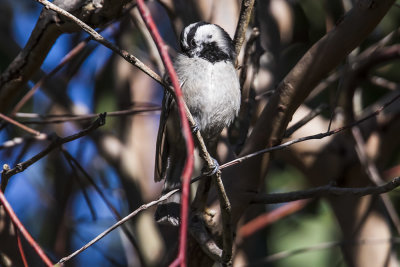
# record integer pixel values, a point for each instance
(211, 92)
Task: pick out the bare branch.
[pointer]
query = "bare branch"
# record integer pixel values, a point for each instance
(373, 174)
(73, 117)
(20, 227)
(244, 18)
(74, 163)
(36, 87)
(324, 245)
(48, 28)
(99, 38)
(311, 137)
(266, 199)
(116, 225)
(270, 217)
(327, 190)
(23, 127)
(20, 167)
(314, 113)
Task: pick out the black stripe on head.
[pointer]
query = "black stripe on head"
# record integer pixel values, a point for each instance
(228, 41)
(190, 34)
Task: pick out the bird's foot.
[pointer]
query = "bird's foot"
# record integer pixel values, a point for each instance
(211, 171)
(194, 128)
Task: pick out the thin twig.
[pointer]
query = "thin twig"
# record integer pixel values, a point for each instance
(99, 38)
(43, 80)
(82, 187)
(56, 143)
(152, 48)
(325, 191)
(20, 227)
(382, 82)
(67, 58)
(270, 198)
(270, 217)
(72, 117)
(124, 220)
(374, 176)
(324, 245)
(4, 179)
(313, 113)
(21, 249)
(244, 18)
(20, 125)
(311, 137)
(108, 203)
(248, 52)
(227, 236)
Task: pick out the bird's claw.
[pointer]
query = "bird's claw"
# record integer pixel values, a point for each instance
(194, 128)
(211, 171)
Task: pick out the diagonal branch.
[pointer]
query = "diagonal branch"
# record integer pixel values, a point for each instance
(99, 38)
(20, 227)
(20, 125)
(116, 225)
(373, 174)
(20, 167)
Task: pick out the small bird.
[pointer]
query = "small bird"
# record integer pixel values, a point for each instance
(211, 91)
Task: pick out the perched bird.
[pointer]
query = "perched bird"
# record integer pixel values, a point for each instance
(211, 91)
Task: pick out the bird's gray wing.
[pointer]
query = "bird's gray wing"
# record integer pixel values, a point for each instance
(162, 146)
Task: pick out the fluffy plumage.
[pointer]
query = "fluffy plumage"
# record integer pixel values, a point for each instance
(211, 91)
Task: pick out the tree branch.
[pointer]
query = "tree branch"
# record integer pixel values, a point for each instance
(20, 227)
(323, 191)
(116, 225)
(244, 18)
(20, 167)
(316, 64)
(48, 28)
(99, 38)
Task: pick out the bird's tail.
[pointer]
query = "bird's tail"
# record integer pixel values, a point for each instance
(168, 211)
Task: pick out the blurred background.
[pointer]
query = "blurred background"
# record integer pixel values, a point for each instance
(79, 190)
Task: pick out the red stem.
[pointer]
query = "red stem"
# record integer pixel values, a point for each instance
(20, 125)
(187, 171)
(23, 231)
(21, 249)
(268, 218)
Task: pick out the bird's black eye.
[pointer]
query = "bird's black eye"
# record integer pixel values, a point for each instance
(192, 43)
